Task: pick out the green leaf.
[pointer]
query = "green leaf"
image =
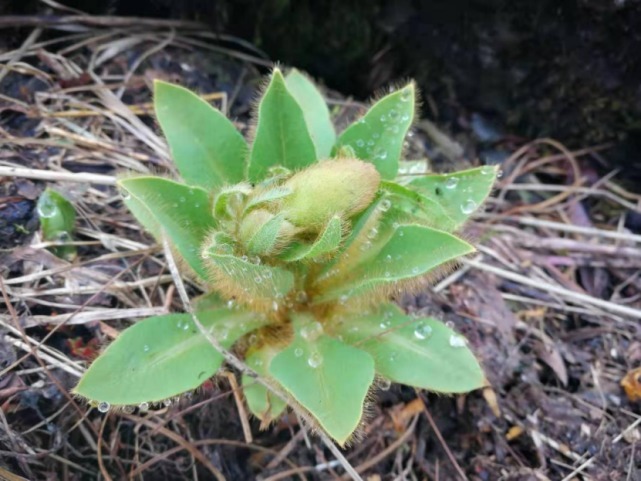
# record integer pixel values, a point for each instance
(418, 207)
(57, 220)
(205, 145)
(260, 400)
(267, 196)
(229, 197)
(161, 357)
(327, 377)
(457, 195)
(411, 251)
(255, 282)
(315, 109)
(265, 238)
(418, 352)
(282, 137)
(328, 241)
(378, 136)
(182, 212)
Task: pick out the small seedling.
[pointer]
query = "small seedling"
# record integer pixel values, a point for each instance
(300, 239)
(57, 221)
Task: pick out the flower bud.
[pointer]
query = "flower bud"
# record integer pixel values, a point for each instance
(342, 187)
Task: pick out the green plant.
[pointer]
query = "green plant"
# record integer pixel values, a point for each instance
(57, 222)
(300, 239)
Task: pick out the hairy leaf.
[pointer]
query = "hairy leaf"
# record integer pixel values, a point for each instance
(282, 137)
(378, 136)
(235, 276)
(58, 221)
(315, 109)
(457, 195)
(163, 356)
(205, 145)
(328, 241)
(183, 212)
(418, 352)
(265, 238)
(327, 377)
(411, 251)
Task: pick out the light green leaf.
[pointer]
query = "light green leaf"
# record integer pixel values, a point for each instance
(205, 145)
(458, 195)
(230, 197)
(418, 352)
(378, 136)
(327, 377)
(161, 357)
(58, 222)
(182, 212)
(411, 251)
(263, 241)
(268, 195)
(328, 241)
(261, 402)
(282, 137)
(259, 282)
(315, 109)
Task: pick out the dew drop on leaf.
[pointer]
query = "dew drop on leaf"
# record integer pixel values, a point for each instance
(457, 341)
(422, 331)
(360, 143)
(146, 348)
(128, 409)
(406, 95)
(103, 406)
(298, 352)
(167, 402)
(451, 182)
(143, 407)
(312, 331)
(384, 384)
(468, 207)
(415, 270)
(385, 205)
(315, 360)
(393, 114)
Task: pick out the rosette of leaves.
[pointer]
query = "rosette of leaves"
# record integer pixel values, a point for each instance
(301, 237)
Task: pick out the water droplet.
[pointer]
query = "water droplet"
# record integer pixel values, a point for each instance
(499, 174)
(405, 117)
(366, 246)
(384, 384)
(258, 362)
(406, 94)
(128, 409)
(449, 325)
(179, 325)
(451, 182)
(360, 143)
(422, 331)
(244, 258)
(415, 270)
(372, 233)
(315, 360)
(143, 407)
(258, 279)
(253, 338)
(370, 142)
(457, 341)
(383, 118)
(298, 352)
(301, 297)
(312, 331)
(182, 199)
(146, 348)
(186, 326)
(388, 258)
(393, 356)
(103, 406)
(267, 274)
(393, 114)
(387, 274)
(124, 193)
(468, 207)
(63, 236)
(167, 402)
(231, 304)
(385, 324)
(385, 205)
(376, 135)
